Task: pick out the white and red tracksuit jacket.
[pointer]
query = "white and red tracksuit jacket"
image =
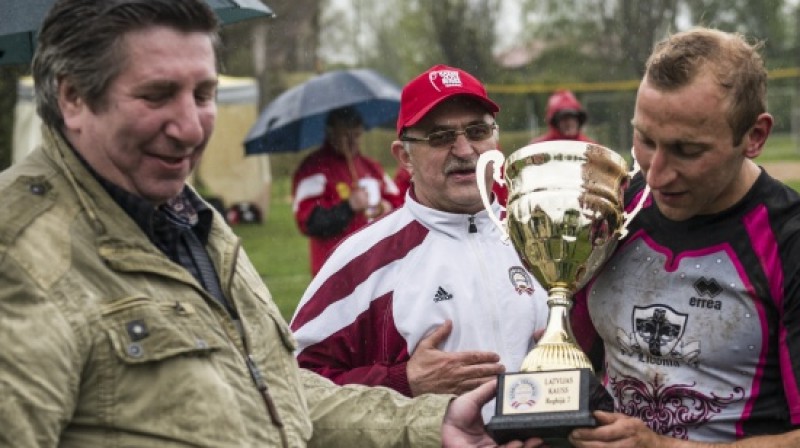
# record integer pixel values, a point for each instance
(390, 284)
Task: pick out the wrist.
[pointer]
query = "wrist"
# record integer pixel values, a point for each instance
(374, 212)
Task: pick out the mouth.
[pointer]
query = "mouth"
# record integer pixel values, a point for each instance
(171, 161)
(461, 175)
(669, 196)
(460, 170)
(670, 193)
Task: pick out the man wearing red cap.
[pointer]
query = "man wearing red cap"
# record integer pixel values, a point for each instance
(428, 299)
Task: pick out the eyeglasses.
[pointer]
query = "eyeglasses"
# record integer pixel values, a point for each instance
(474, 133)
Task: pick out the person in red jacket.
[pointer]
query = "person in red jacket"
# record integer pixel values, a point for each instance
(565, 118)
(337, 190)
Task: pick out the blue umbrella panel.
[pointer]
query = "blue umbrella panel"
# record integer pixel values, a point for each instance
(295, 120)
(20, 21)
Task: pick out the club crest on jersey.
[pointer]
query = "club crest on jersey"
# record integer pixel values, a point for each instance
(658, 328)
(657, 336)
(520, 280)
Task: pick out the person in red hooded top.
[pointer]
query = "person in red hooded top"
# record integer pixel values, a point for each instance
(565, 118)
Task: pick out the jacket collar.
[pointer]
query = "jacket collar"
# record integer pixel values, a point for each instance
(455, 225)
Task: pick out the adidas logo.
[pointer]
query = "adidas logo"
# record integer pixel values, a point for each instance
(441, 294)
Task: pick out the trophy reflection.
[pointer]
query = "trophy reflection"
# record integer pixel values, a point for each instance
(565, 214)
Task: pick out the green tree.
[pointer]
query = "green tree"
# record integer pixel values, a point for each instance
(464, 31)
(402, 39)
(611, 39)
(272, 49)
(620, 33)
(765, 20)
(624, 31)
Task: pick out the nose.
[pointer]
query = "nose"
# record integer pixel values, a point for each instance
(462, 147)
(658, 169)
(185, 124)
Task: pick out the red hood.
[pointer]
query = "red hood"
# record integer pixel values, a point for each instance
(561, 101)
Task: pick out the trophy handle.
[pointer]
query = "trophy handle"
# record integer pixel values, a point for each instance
(498, 159)
(628, 217)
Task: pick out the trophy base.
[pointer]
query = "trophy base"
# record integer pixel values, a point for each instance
(547, 404)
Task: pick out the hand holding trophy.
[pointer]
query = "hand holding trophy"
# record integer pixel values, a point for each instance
(565, 215)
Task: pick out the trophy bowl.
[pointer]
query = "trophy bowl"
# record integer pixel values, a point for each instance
(564, 216)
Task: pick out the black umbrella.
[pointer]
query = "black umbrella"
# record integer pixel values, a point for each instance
(295, 120)
(20, 20)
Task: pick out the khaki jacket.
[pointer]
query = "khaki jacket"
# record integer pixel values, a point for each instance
(107, 343)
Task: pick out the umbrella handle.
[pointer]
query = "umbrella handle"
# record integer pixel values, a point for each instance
(371, 211)
(354, 177)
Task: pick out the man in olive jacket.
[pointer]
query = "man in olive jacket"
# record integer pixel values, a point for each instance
(129, 313)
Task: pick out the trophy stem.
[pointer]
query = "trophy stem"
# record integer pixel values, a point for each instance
(557, 348)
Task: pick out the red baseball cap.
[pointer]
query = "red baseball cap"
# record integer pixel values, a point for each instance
(437, 84)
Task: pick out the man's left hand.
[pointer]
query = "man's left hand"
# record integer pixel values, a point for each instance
(463, 424)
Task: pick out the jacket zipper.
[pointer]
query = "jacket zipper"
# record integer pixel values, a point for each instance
(255, 372)
(262, 387)
(478, 250)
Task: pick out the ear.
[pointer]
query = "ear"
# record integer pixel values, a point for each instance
(756, 137)
(402, 156)
(71, 104)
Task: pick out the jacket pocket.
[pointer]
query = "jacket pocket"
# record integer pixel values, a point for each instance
(142, 330)
(164, 370)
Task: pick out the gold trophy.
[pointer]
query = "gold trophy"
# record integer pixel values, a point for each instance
(565, 214)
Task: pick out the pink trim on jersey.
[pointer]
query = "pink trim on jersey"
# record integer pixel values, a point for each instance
(581, 321)
(673, 263)
(766, 247)
(760, 231)
(635, 201)
(342, 283)
(758, 374)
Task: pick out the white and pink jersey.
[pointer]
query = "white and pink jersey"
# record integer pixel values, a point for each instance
(700, 319)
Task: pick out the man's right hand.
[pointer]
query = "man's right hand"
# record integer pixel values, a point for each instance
(431, 370)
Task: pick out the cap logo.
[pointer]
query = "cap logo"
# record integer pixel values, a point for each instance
(447, 78)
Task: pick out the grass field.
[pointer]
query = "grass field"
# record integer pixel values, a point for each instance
(780, 147)
(280, 252)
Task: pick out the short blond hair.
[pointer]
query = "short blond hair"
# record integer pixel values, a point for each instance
(736, 64)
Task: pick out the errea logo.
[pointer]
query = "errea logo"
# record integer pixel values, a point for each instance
(707, 290)
(705, 287)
